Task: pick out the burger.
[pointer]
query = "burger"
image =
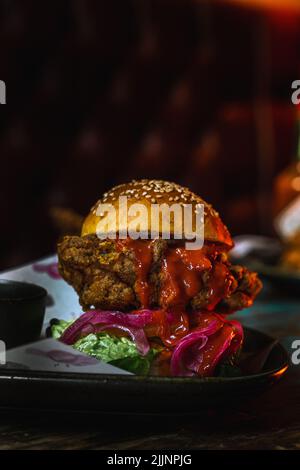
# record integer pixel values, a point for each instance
(154, 305)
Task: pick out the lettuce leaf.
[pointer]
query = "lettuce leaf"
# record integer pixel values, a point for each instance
(106, 347)
(137, 364)
(115, 350)
(57, 327)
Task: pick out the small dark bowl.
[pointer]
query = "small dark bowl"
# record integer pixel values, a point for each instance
(22, 310)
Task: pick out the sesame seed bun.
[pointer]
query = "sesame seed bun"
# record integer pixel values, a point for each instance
(148, 192)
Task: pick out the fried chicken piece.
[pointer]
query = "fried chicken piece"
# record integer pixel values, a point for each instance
(101, 276)
(247, 287)
(105, 277)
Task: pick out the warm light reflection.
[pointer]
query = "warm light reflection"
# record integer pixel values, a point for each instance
(280, 372)
(296, 183)
(273, 4)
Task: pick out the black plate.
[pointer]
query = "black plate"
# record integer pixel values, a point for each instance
(135, 394)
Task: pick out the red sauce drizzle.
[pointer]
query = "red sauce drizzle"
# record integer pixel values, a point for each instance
(182, 274)
(181, 269)
(168, 326)
(214, 344)
(143, 258)
(219, 285)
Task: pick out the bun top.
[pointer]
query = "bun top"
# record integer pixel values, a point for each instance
(148, 192)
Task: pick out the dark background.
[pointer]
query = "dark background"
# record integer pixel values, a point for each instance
(100, 92)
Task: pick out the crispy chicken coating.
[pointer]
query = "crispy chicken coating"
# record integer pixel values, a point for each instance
(105, 277)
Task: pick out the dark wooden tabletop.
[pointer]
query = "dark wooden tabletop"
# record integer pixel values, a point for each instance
(269, 421)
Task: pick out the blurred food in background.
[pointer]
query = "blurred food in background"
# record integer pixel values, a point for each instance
(291, 255)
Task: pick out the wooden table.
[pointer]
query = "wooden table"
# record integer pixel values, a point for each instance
(270, 421)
